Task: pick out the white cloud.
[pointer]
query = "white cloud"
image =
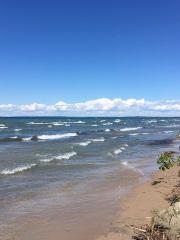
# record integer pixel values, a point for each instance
(99, 107)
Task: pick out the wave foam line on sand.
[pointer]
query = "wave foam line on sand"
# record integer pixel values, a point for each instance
(133, 168)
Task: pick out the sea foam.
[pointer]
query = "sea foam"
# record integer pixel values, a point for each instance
(39, 123)
(18, 169)
(98, 140)
(17, 129)
(83, 143)
(117, 151)
(117, 120)
(108, 123)
(27, 139)
(129, 129)
(57, 136)
(133, 168)
(65, 156)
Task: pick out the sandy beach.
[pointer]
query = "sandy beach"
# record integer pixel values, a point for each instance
(140, 204)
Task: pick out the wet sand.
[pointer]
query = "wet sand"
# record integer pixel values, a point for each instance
(140, 204)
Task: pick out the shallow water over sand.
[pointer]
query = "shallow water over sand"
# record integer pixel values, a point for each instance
(64, 176)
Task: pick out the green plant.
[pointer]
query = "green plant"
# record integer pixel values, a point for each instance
(178, 136)
(166, 160)
(175, 199)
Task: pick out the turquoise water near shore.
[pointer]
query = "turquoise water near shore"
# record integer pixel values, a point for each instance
(51, 166)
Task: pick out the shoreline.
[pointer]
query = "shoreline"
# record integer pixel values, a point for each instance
(139, 205)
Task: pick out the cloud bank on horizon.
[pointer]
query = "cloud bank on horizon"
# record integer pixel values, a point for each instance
(99, 107)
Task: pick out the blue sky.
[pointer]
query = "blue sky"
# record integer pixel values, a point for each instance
(80, 51)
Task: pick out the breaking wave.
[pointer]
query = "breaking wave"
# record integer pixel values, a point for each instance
(65, 156)
(58, 136)
(16, 170)
(117, 151)
(98, 140)
(83, 143)
(37, 123)
(3, 126)
(58, 124)
(107, 130)
(135, 169)
(17, 129)
(117, 120)
(27, 139)
(108, 123)
(129, 129)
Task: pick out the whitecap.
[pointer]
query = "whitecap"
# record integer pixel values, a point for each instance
(129, 129)
(49, 126)
(65, 156)
(126, 145)
(98, 140)
(39, 123)
(83, 143)
(79, 122)
(109, 154)
(108, 123)
(117, 151)
(117, 120)
(107, 130)
(102, 120)
(3, 127)
(14, 137)
(73, 122)
(172, 126)
(67, 125)
(122, 148)
(151, 121)
(58, 124)
(27, 139)
(125, 163)
(95, 125)
(134, 134)
(18, 169)
(17, 129)
(58, 136)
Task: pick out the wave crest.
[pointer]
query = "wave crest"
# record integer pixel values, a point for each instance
(57, 136)
(16, 170)
(65, 156)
